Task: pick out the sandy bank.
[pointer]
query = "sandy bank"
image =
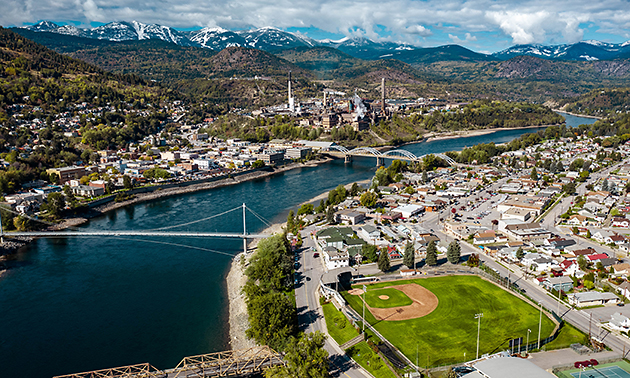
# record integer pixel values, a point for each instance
(473, 133)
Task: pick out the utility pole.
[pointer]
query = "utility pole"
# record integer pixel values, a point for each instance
(478, 317)
(244, 231)
(539, 324)
(1, 230)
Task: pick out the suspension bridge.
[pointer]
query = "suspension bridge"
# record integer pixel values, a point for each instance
(398, 154)
(152, 233)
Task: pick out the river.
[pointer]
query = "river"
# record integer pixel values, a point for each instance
(77, 304)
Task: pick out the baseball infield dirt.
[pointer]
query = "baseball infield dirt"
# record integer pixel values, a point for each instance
(424, 302)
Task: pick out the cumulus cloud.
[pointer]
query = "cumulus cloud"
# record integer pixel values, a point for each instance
(429, 21)
(469, 38)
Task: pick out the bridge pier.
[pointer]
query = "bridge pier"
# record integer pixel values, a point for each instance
(380, 161)
(347, 159)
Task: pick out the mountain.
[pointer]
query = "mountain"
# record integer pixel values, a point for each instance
(270, 39)
(217, 38)
(584, 51)
(364, 48)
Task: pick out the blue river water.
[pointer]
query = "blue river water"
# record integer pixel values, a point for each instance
(77, 304)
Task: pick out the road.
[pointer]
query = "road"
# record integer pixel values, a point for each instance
(310, 316)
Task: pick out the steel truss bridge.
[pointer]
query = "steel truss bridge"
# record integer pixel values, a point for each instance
(221, 364)
(381, 156)
(154, 233)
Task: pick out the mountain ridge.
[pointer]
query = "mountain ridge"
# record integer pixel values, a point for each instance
(272, 39)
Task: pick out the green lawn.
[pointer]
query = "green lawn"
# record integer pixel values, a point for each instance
(448, 335)
(568, 335)
(369, 360)
(396, 298)
(339, 328)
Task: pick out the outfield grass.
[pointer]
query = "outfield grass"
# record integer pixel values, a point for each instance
(449, 334)
(369, 360)
(396, 298)
(339, 328)
(568, 335)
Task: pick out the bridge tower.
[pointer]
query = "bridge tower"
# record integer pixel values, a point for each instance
(244, 231)
(380, 161)
(347, 158)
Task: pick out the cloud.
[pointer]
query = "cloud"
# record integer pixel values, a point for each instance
(421, 22)
(469, 38)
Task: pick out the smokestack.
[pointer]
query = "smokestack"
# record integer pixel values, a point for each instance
(383, 95)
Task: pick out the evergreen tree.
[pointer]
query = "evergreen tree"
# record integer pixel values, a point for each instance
(305, 358)
(354, 190)
(425, 177)
(519, 253)
(605, 185)
(534, 174)
(454, 252)
(410, 259)
(431, 258)
(383, 261)
(291, 221)
(330, 215)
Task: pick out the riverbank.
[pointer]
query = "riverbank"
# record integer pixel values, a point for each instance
(236, 280)
(473, 133)
(576, 114)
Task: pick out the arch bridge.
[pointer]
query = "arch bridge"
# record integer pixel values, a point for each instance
(398, 154)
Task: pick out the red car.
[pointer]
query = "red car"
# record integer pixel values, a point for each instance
(315, 254)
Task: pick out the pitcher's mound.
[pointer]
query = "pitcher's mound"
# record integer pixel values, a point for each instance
(355, 291)
(383, 297)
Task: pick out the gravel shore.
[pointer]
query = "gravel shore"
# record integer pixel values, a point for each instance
(236, 279)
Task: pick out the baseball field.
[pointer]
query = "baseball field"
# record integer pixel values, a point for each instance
(439, 326)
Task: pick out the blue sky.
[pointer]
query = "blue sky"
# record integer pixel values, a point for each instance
(481, 25)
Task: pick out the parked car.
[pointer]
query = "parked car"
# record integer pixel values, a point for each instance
(315, 254)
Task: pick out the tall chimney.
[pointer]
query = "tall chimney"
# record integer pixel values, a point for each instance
(291, 102)
(383, 96)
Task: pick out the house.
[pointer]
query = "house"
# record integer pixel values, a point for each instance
(350, 216)
(621, 270)
(619, 322)
(570, 267)
(369, 233)
(485, 237)
(87, 191)
(598, 257)
(624, 289)
(577, 220)
(334, 258)
(602, 235)
(620, 222)
(592, 298)
(563, 283)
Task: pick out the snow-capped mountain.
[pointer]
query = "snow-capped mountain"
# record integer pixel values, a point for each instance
(42, 26)
(585, 50)
(270, 39)
(216, 38)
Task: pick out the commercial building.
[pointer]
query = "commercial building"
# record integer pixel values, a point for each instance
(271, 157)
(66, 174)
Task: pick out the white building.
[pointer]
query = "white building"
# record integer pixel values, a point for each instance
(334, 258)
(408, 211)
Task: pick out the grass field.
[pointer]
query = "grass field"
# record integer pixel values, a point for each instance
(449, 334)
(568, 335)
(370, 361)
(396, 298)
(339, 328)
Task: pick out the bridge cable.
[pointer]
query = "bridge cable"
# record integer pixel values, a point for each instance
(176, 245)
(195, 221)
(260, 218)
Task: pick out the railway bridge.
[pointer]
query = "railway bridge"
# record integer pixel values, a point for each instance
(398, 154)
(233, 363)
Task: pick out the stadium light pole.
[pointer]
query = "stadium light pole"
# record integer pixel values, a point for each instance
(539, 324)
(364, 290)
(527, 345)
(478, 317)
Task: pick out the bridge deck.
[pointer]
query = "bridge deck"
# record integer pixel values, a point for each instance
(61, 234)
